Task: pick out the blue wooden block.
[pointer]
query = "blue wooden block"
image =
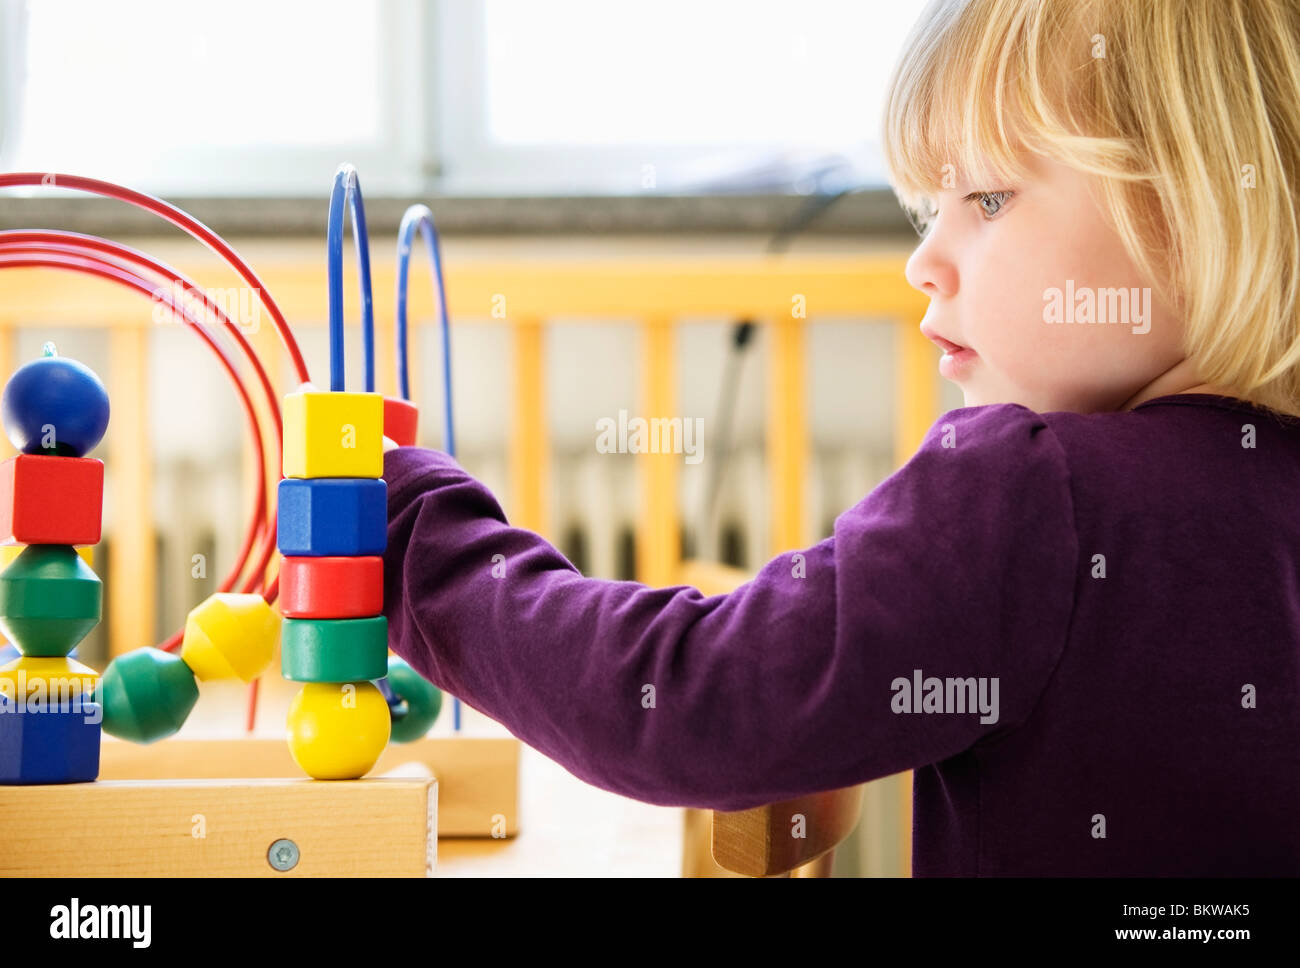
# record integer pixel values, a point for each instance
(56, 743)
(332, 516)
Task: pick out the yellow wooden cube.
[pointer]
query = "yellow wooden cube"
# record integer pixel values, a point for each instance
(9, 552)
(333, 434)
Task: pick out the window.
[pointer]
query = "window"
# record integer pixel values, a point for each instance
(580, 96)
(492, 97)
(236, 97)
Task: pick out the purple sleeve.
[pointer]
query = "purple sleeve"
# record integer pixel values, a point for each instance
(960, 564)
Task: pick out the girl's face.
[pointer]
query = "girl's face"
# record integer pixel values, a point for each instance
(1014, 273)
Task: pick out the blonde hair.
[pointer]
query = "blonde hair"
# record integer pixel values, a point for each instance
(1189, 113)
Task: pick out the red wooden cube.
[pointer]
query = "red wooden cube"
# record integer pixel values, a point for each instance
(332, 587)
(46, 499)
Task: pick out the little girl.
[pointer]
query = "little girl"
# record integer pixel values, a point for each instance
(1075, 612)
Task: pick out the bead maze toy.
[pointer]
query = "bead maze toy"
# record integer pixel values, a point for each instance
(324, 609)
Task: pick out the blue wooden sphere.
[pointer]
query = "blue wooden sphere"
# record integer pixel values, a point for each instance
(54, 405)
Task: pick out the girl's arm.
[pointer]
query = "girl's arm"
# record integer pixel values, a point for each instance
(960, 566)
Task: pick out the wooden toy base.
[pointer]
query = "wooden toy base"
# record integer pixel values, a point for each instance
(186, 828)
(478, 776)
(205, 807)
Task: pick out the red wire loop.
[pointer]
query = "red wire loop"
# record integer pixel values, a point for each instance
(95, 256)
(20, 256)
(70, 242)
(182, 220)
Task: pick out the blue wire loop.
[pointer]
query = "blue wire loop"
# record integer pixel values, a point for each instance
(347, 195)
(419, 217)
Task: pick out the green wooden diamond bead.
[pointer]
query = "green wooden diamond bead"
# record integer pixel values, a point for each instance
(423, 701)
(147, 695)
(49, 600)
(334, 649)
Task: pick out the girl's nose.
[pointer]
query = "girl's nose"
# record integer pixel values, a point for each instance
(930, 269)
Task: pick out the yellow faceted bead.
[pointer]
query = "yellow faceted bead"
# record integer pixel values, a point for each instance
(58, 678)
(338, 729)
(230, 636)
(333, 434)
(9, 552)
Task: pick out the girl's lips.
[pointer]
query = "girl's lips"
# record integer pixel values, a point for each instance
(956, 358)
(954, 365)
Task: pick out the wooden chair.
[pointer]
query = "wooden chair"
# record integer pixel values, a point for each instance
(793, 838)
(765, 841)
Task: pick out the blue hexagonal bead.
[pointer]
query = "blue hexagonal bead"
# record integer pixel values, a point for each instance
(49, 743)
(332, 516)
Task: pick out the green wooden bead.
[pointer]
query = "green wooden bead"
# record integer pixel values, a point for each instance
(334, 649)
(49, 600)
(423, 701)
(147, 695)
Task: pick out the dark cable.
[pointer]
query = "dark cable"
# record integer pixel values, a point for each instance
(741, 336)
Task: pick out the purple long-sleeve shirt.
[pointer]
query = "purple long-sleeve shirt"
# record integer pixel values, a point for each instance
(1081, 631)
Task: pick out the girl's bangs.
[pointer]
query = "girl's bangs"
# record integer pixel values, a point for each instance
(970, 96)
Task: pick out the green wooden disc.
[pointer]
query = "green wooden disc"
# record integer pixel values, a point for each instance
(147, 695)
(423, 701)
(334, 649)
(49, 600)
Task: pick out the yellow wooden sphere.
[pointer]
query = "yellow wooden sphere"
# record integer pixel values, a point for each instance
(338, 729)
(230, 636)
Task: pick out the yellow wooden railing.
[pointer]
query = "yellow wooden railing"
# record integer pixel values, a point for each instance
(655, 294)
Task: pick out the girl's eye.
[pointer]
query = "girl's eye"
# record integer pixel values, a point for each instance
(922, 215)
(990, 202)
(923, 219)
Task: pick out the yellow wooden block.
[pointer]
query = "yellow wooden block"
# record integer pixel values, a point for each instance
(333, 434)
(58, 678)
(9, 552)
(230, 636)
